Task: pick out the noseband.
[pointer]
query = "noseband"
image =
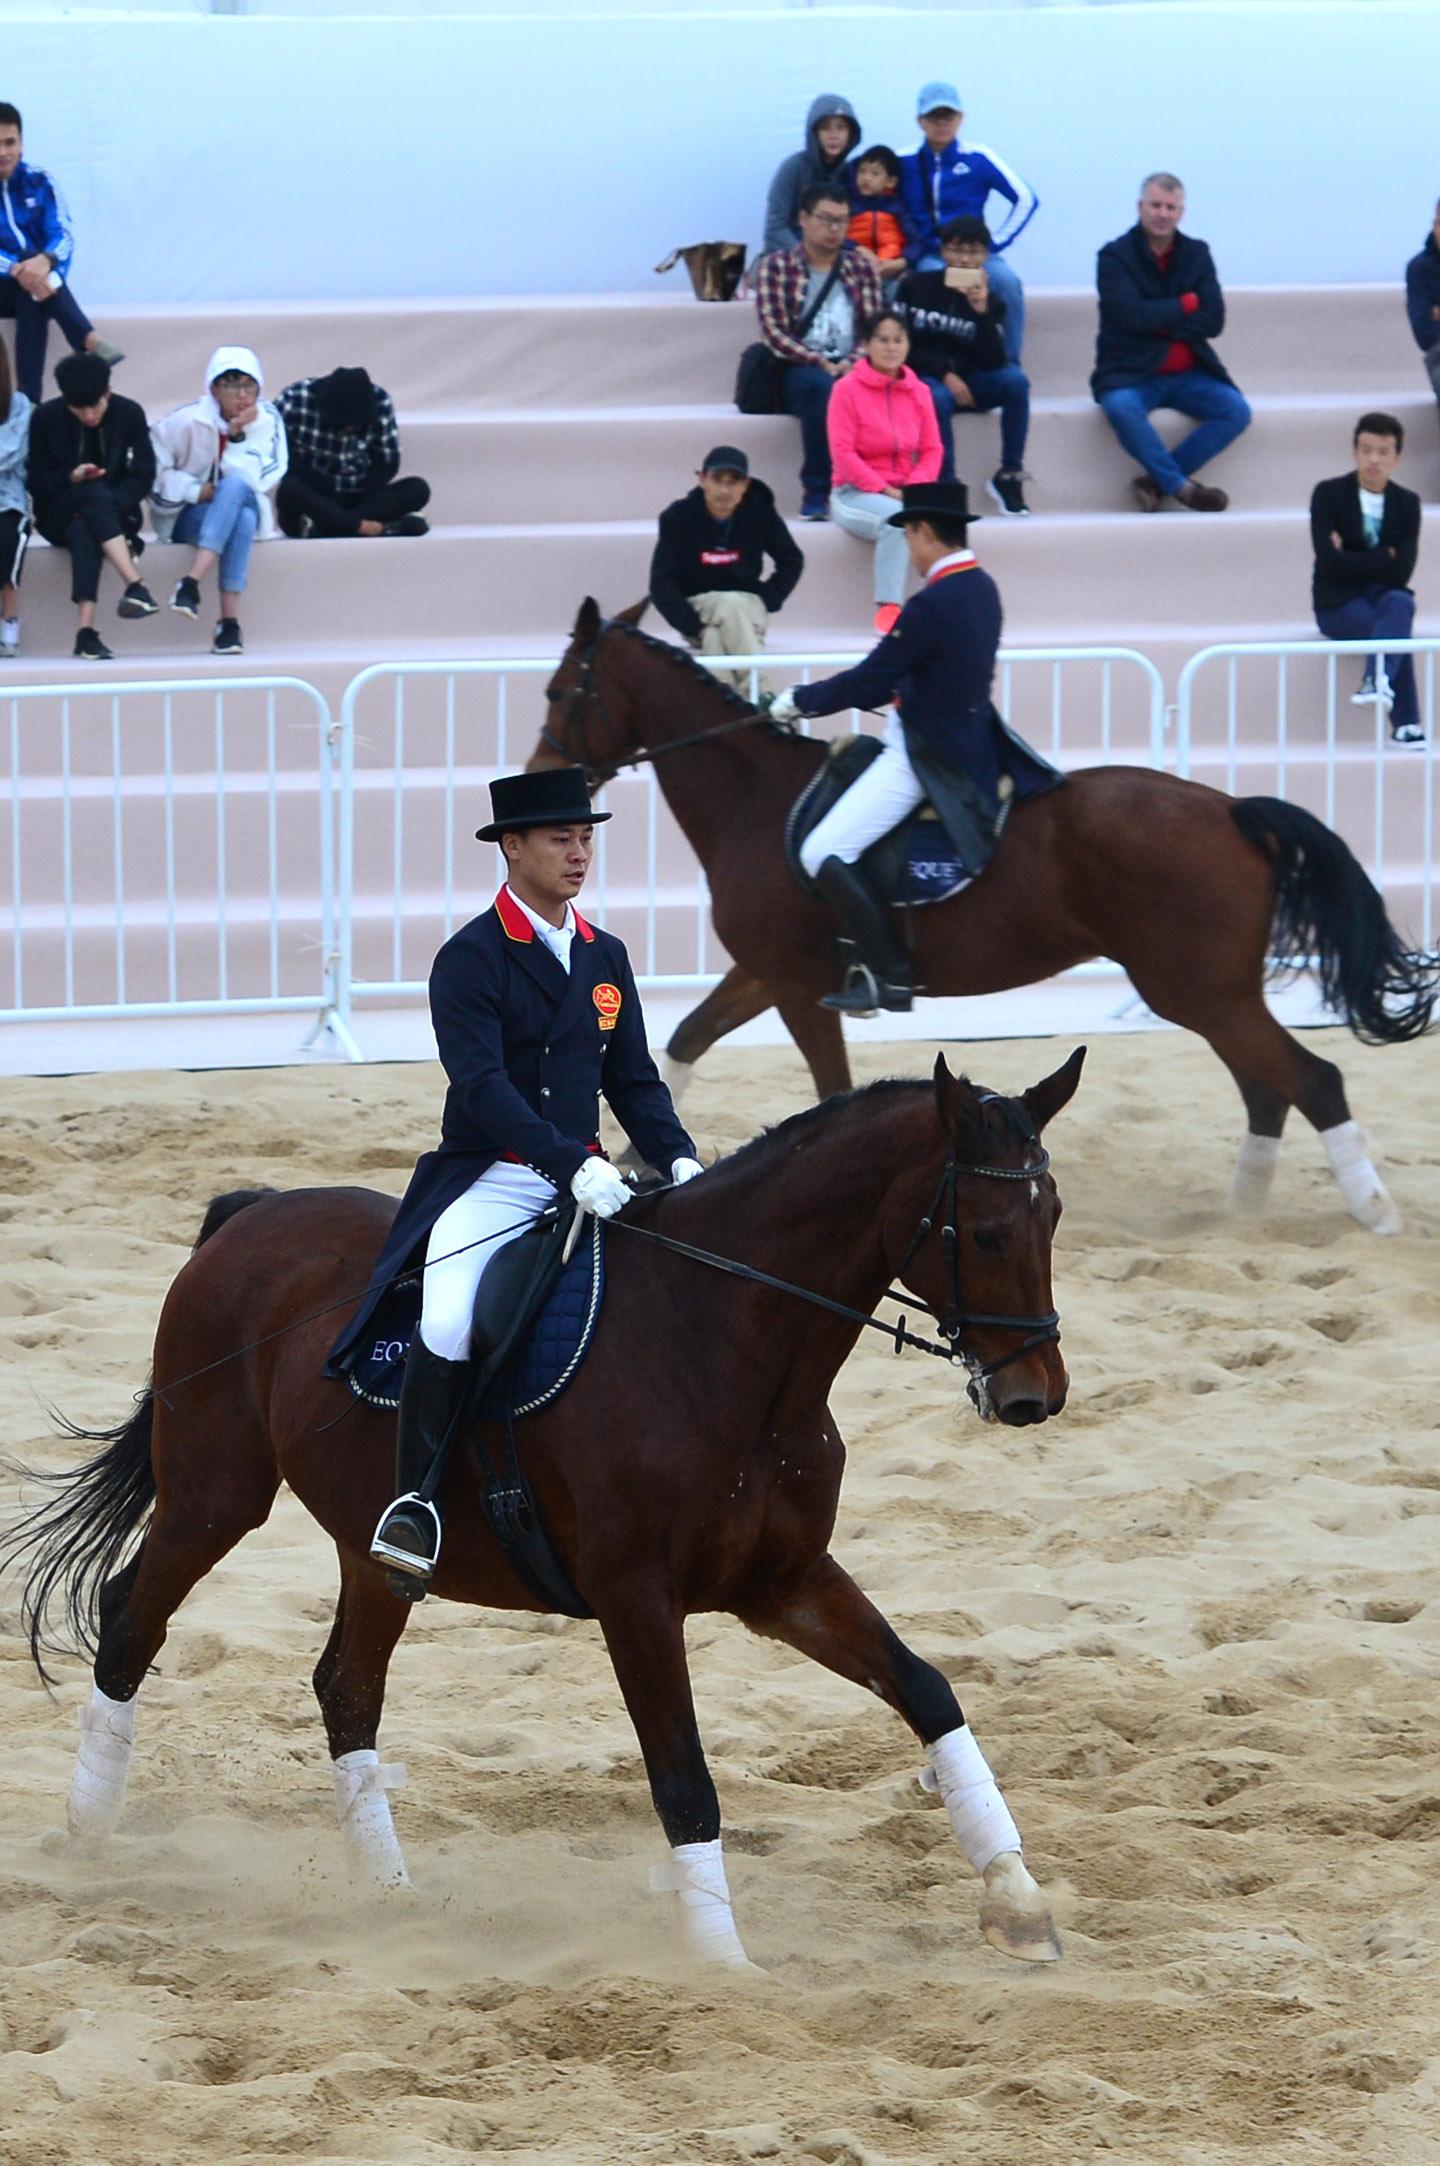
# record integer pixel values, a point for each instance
(955, 1317)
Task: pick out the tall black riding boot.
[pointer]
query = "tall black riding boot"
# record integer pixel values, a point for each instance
(881, 976)
(408, 1536)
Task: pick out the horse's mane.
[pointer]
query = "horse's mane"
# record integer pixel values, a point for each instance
(773, 1145)
(682, 658)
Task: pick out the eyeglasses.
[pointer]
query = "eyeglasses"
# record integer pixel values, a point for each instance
(828, 218)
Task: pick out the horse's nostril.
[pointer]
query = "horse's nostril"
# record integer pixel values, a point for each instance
(1020, 1413)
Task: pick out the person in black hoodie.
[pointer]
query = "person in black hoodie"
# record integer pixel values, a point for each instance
(1160, 307)
(1422, 301)
(91, 467)
(707, 575)
(1366, 534)
(957, 349)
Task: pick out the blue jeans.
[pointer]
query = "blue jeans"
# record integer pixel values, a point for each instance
(1005, 285)
(1372, 613)
(32, 330)
(1007, 388)
(1221, 411)
(805, 392)
(227, 525)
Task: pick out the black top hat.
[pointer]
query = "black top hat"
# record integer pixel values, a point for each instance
(934, 500)
(550, 797)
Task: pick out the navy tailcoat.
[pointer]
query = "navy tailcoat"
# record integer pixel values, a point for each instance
(529, 1052)
(937, 665)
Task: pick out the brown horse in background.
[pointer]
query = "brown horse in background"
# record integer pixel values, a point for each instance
(692, 1465)
(1188, 890)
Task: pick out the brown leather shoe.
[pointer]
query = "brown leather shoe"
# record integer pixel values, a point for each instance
(1198, 496)
(1148, 494)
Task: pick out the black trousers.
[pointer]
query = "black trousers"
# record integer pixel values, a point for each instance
(32, 330)
(337, 513)
(14, 537)
(82, 519)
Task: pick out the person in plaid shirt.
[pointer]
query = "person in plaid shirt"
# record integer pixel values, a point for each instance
(788, 285)
(345, 461)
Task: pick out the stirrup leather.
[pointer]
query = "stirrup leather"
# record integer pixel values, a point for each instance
(406, 1560)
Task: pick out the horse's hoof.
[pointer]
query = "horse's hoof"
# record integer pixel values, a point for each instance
(1027, 1939)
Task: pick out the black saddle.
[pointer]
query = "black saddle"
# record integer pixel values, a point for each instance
(916, 863)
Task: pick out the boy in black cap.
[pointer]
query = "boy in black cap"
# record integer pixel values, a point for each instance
(343, 476)
(536, 1017)
(707, 575)
(91, 467)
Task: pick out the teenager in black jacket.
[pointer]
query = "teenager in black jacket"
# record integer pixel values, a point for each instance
(707, 576)
(1366, 533)
(1160, 307)
(91, 467)
(957, 349)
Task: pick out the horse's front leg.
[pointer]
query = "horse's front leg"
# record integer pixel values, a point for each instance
(647, 1647)
(827, 1617)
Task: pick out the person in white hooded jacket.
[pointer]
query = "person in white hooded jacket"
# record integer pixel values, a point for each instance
(218, 464)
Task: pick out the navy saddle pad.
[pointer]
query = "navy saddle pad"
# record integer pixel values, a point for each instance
(548, 1356)
(916, 863)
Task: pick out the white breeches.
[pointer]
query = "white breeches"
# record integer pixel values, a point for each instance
(874, 804)
(492, 1211)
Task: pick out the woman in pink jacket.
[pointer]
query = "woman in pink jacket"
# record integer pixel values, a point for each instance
(883, 433)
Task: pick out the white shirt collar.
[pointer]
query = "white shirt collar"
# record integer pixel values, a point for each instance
(557, 938)
(944, 564)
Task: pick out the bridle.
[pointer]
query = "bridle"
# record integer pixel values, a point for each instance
(585, 692)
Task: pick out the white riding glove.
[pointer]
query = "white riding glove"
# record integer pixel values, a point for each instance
(683, 1170)
(783, 708)
(599, 1188)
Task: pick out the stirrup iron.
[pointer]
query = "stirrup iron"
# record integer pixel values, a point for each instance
(407, 1560)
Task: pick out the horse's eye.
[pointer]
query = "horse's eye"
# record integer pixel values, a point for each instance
(989, 1238)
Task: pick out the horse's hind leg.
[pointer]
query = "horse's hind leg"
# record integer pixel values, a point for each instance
(1265, 1111)
(827, 1617)
(350, 1686)
(647, 1648)
(207, 1504)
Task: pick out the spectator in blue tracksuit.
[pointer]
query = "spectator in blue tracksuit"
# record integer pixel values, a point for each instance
(35, 249)
(1422, 301)
(831, 133)
(943, 178)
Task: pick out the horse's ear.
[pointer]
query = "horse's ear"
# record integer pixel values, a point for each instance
(635, 612)
(587, 623)
(958, 1107)
(1044, 1100)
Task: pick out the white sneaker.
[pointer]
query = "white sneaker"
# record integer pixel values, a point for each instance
(9, 638)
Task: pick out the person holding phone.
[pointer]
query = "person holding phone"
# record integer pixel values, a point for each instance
(219, 462)
(90, 470)
(956, 322)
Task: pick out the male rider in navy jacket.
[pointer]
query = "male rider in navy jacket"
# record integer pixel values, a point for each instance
(536, 1016)
(936, 665)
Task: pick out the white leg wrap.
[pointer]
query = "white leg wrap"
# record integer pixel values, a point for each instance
(979, 1815)
(365, 1819)
(1366, 1196)
(1250, 1189)
(97, 1787)
(676, 1075)
(696, 1873)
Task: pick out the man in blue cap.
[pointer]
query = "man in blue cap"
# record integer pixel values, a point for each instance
(945, 740)
(536, 1017)
(943, 178)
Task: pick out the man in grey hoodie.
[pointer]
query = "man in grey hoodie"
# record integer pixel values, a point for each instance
(831, 133)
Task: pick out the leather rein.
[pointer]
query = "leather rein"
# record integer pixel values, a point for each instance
(585, 692)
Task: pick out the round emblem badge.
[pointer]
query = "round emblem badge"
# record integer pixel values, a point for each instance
(607, 1001)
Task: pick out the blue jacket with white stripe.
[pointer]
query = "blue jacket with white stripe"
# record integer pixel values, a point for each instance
(33, 220)
(957, 182)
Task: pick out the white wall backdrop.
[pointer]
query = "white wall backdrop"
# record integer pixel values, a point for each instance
(273, 158)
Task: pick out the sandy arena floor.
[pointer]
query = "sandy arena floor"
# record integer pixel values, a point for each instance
(1193, 1621)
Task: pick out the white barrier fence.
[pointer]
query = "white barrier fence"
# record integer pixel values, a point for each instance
(1284, 718)
(416, 765)
(170, 850)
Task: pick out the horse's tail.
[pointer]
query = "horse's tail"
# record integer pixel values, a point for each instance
(74, 1543)
(1328, 910)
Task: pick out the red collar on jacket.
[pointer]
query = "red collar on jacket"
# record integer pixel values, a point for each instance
(518, 926)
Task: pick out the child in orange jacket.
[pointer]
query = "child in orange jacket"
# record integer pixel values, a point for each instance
(878, 223)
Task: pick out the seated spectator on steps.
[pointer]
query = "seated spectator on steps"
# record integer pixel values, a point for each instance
(344, 460)
(957, 350)
(1160, 307)
(811, 302)
(1422, 301)
(219, 462)
(707, 576)
(943, 178)
(15, 412)
(831, 133)
(1366, 534)
(883, 435)
(91, 467)
(35, 249)
(878, 223)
